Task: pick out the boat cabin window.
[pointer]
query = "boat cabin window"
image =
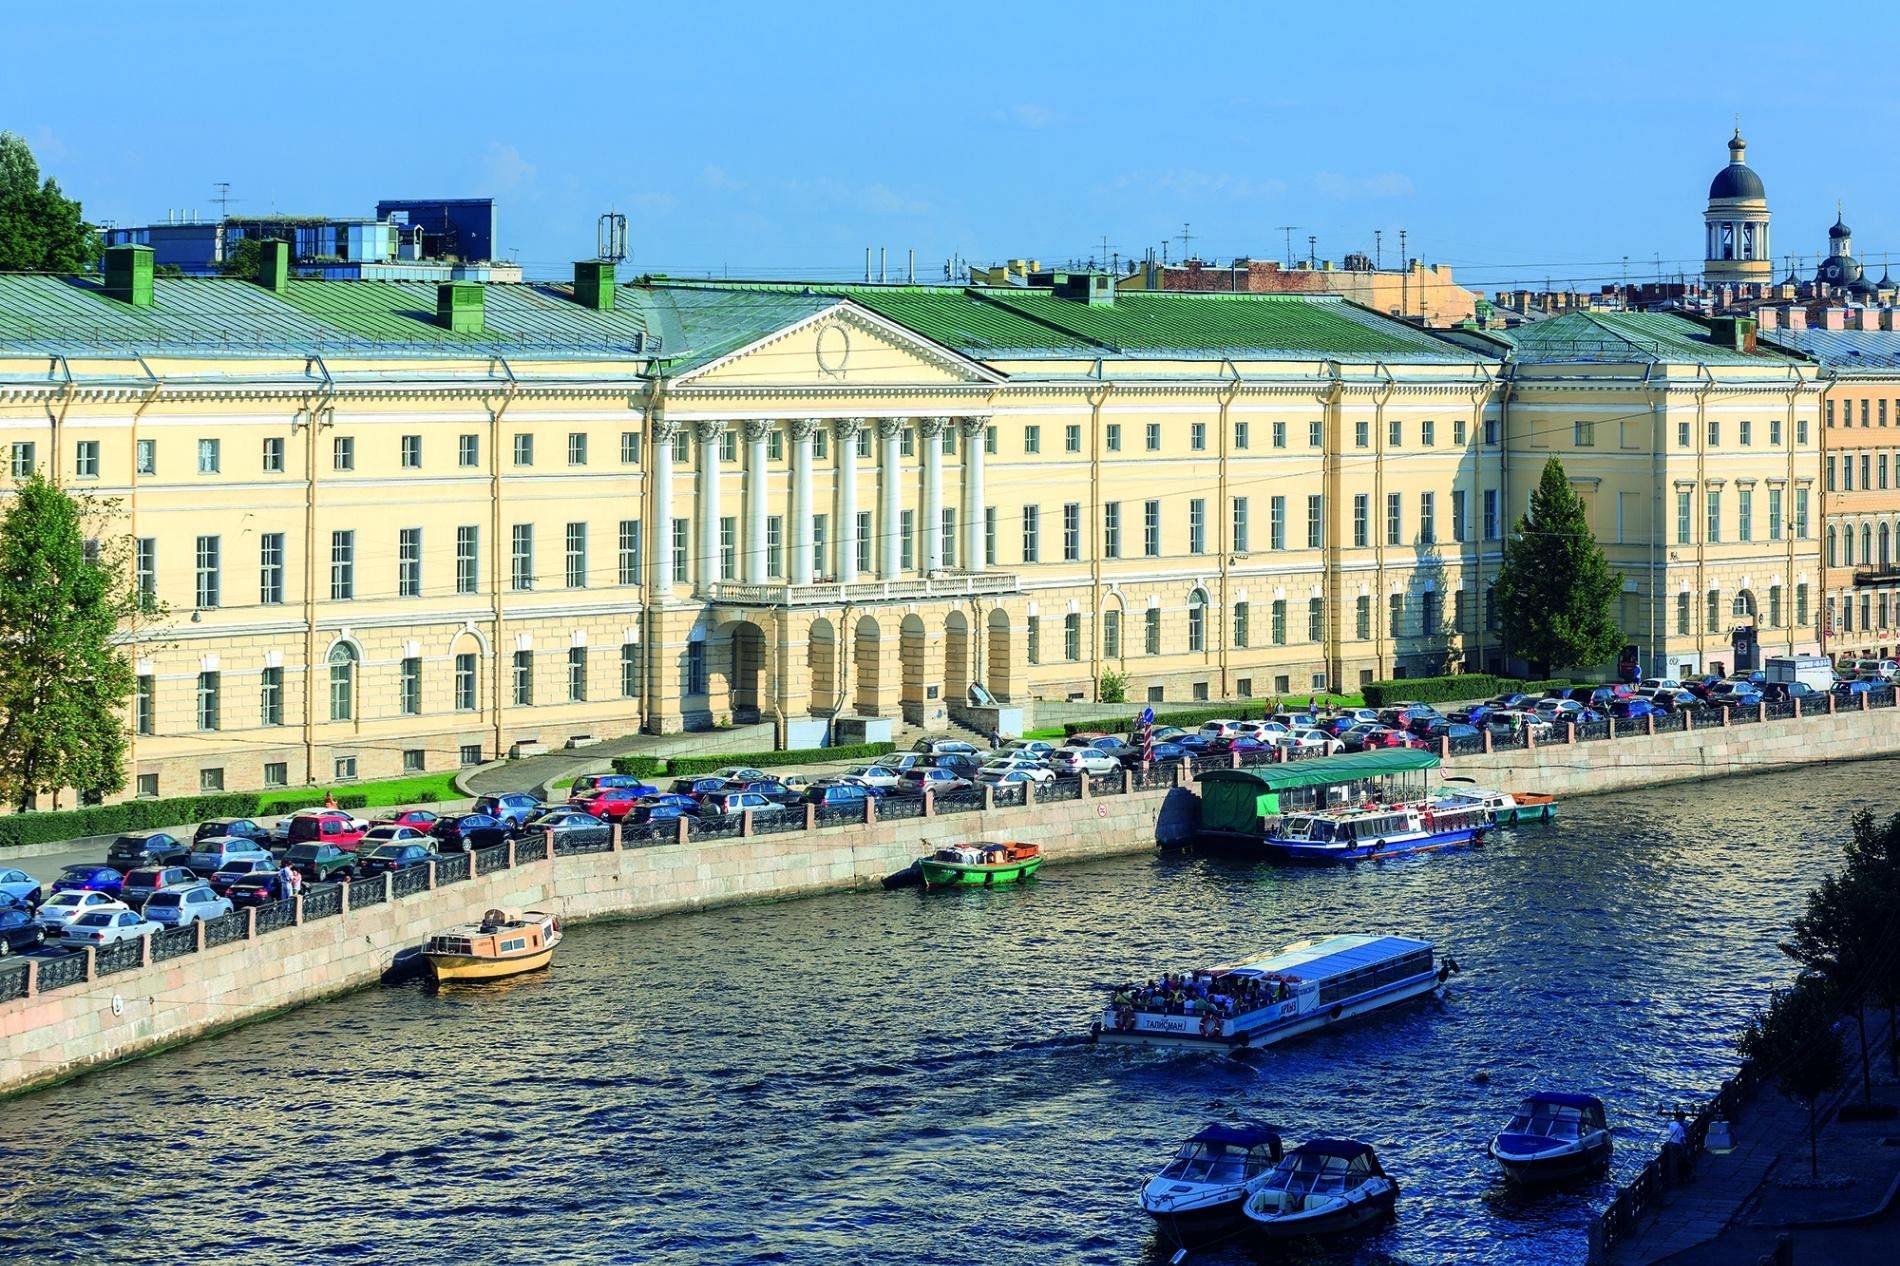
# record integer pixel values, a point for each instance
(1547, 1120)
(1217, 1163)
(1307, 1172)
(514, 943)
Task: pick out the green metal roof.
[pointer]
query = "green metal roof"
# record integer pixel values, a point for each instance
(1643, 338)
(1327, 770)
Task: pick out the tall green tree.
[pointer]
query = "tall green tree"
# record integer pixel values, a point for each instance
(1793, 1041)
(64, 682)
(1838, 939)
(41, 229)
(1555, 591)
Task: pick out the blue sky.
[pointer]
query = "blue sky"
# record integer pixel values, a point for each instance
(780, 140)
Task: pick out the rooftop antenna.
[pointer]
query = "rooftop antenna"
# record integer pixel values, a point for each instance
(1288, 230)
(1405, 260)
(223, 198)
(1312, 249)
(1187, 239)
(1378, 248)
(1105, 251)
(610, 237)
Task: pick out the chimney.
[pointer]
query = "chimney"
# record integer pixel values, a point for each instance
(1770, 318)
(1866, 319)
(1889, 318)
(458, 306)
(129, 275)
(594, 284)
(1797, 318)
(1833, 318)
(273, 265)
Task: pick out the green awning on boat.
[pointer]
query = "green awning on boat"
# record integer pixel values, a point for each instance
(1326, 770)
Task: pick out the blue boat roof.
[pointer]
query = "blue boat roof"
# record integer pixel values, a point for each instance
(1333, 956)
(1237, 1134)
(1564, 1099)
(1348, 1149)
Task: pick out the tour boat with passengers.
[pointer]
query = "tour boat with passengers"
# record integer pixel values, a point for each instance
(1323, 1187)
(501, 945)
(1376, 831)
(1554, 1136)
(1306, 986)
(979, 865)
(1367, 805)
(1212, 1175)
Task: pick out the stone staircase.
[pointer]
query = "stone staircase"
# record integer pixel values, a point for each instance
(904, 734)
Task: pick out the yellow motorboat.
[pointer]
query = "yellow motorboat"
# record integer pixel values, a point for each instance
(501, 945)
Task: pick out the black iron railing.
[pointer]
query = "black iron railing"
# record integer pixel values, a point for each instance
(531, 848)
(12, 979)
(451, 869)
(119, 956)
(58, 973)
(224, 929)
(274, 916)
(368, 891)
(322, 901)
(409, 881)
(174, 942)
(491, 859)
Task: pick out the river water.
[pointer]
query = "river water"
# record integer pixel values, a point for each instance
(891, 1077)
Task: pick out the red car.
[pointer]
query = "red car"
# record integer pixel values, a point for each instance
(421, 819)
(325, 826)
(609, 804)
(1390, 738)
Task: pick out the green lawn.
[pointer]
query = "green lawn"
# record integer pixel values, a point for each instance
(381, 795)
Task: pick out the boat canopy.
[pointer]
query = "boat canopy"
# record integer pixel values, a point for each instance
(1334, 956)
(1239, 1134)
(1563, 1100)
(1326, 770)
(1345, 1149)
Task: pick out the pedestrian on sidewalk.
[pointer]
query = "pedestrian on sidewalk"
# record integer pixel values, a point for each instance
(1680, 1155)
(329, 799)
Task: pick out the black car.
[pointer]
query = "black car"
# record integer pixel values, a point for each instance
(387, 858)
(18, 931)
(463, 832)
(962, 764)
(236, 828)
(259, 887)
(155, 848)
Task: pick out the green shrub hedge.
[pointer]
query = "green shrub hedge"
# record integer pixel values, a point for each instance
(290, 804)
(639, 766)
(686, 766)
(131, 815)
(1442, 689)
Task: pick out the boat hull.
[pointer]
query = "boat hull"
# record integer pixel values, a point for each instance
(458, 968)
(957, 875)
(1531, 1170)
(1530, 808)
(1301, 853)
(1353, 1215)
(1184, 1030)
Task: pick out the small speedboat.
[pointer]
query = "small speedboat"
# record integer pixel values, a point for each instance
(1323, 1187)
(980, 865)
(1212, 1175)
(501, 945)
(1506, 807)
(1553, 1136)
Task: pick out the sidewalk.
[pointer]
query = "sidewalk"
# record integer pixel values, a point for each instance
(1739, 1203)
(533, 772)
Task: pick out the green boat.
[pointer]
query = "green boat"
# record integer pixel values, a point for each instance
(979, 865)
(1506, 807)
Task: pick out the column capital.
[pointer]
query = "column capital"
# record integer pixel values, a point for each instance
(973, 426)
(848, 428)
(802, 429)
(708, 430)
(665, 430)
(756, 430)
(887, 428)
(932, 427)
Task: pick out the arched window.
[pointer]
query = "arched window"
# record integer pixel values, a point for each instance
(1833, 554)
(1847, 547)
(1197, 621)
(342, 682)
(1866, 544)
(1886, 546)
(1744, 604)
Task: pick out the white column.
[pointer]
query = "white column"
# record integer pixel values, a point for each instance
(756, 475)
(845, 534)
(930, 435)
(889, 498)
(661, 546)
(706, 549)
(972, 430)
(800, 569)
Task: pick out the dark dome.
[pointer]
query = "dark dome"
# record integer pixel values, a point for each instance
(1737, 180)
(1840, 229)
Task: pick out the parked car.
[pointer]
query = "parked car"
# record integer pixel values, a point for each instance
(17, 885)
(236, 828)
(661, 808)
(89, 877)
(1295, 720)
(421, 819)
(608, 804)
(63, 907)
(741, 773)
(730, 804)
(239, 868)
(514, 807)
(1456, 731)
(875, 775)
(213, 855)
(771, 788)
(465, 831)
(962, 764)
(1507, 701)
(943, 746)
(569, 825)
(152, 848)
(324, 826)
(1673, 701)
(595, 782)
(1170, 750)
(1359, 737)
(106, 927)
(1036, 749)
(321, 862)
(938, 780)
(902, 762)
(1073, 761)
(697, 786)
(1734, 694)
(181, 907)
(1848, 689)
(1659, 683)
(387, 858)
(1219, 729)
(141, 884)
(1792, 690)
(1634, 709)
(1124, 752)
(1037, 771)
(1005, 777)
(841, 794)
(1384, 736)
(19, 930)
(1310, 740)
(377, 836)
(261, 886)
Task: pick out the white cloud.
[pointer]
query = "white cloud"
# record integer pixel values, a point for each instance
(1030, 115)
(1386, 184)
(716, 176)
(506, 169)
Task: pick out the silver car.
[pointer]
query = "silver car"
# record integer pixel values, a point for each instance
(211, 856)
(63, 907)
(21, 886)
(181, 907)
(106, 927)
(390, 833)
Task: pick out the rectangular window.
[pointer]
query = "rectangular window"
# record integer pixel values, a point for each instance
(1034, 639)
(465, 681)
(524, 678)
(629, 670)
(680, 544)
(864, 540)
(1428, 518)
(343, 452)
(775, 445)
(468, 451)
(412, 452)
(413, 760)
(1428, 433)
(1801, 514)
(1714, 524)
(211, 780)
(950, 440)
(209, 580)
(1112, 634)
(270, 568)
(1801, 605)
(1863, 413)
(1712, 604)
(1830, 413)
(147, 457)
(1458, 610)
(577, 674)
(576, 556)
(1362, 618)
(864, 443)
(276, 773)
(342, 566)
(577, 448)
(1197, 436)
(1491, 431)
(521, 556)
(1315, 619)
(1151, 631)
(696, 668)
(1745, 514)
(1881, 468)
(145, 571)
(1584, 434)
(947, 535)
(270, 704)
(1684, 514)
(1071, 532)
(728, 446)
(1774, 431)
(728, 546)
(1279, 434)
(469, 754)
(907, 442)
(1833, 484)
(210, 707)
(410, 687)
(1112, 529)
(1395, 615)
(1490, 514)
(467, 546)
(409, 563)
(1458, 432)
(1072, 637)
(775, 545)
(1151, 529)
(628, 570)
(1197, 526)
(1276, 523)
(209, 459)
(524, 449)
(1683, 439)
(1458, 515)
(1240, 625)
(1847, 472)
(630, 448)
(1393, 519)
(1682, 614)
(1395, 433)
(1315, 521)
(1715, 432)
(1800, 430)
(1316, 433)
(1197, 624)
(1072, 439)
(1032, 439)
(1032, 530)
(145, 705)
(273, 456)
(1774, 606)
(1747, 433)
(1240, 434)
(86, 459)
(820, 543)
(907, 539)
(1866, 471)
(1362, 434)
(1114, 437)
(1240, 540)
(1152, 437)
(1361, 513)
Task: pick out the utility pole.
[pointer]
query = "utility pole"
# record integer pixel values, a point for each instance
(223, 198)
(1312, 250)
(1378, 249)
(1288, 230)
(1187, 239)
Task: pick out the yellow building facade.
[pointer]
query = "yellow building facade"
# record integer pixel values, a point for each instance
(386, 529)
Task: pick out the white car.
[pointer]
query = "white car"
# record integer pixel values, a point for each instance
(1034, 749)
(742, 773)
(1310, 741)
(1081, 760)
(874, 775)
(389, 833)
(1219, 730)
(63, 907)
(106, 927)
(1653, 684)
(1032, 771)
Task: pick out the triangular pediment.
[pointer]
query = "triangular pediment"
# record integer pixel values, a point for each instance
(842, 346)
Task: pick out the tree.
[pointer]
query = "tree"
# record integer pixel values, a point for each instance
(242, 259)
(41, 229)
(1837, 938)
(1555, 589)
(64, 682)
(1793, 1041)
(1114, 688)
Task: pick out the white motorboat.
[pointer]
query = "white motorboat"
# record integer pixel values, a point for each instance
(1212, 1175)
(1553, 1136)
(1322, 1188)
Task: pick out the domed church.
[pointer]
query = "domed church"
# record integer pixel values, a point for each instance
(1736, 223)
(1840, 272)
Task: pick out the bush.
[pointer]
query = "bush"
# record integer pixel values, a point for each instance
(131, 815)
(1379, 694)
(1114, 688)
(638, 766)
(686, 766)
